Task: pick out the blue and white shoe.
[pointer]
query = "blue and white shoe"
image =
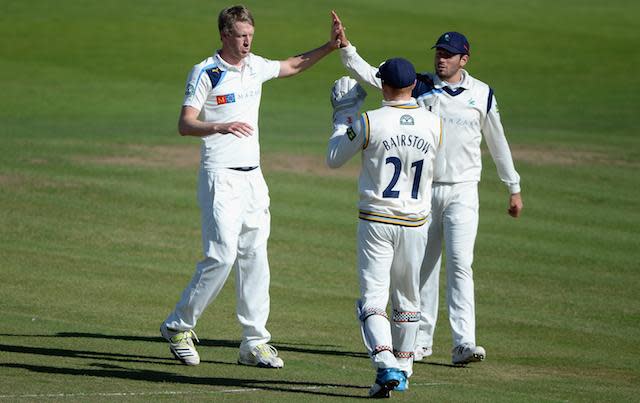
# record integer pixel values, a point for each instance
(403, 385)
(387, 379)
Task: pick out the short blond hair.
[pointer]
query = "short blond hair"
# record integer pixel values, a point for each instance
(231, 15)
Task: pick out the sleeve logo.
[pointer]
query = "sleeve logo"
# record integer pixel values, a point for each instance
(351, 134)
(190, 90)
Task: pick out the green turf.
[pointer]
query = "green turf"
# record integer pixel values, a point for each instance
(99, 228)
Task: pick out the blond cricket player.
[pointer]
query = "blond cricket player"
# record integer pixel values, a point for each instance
(221, 105)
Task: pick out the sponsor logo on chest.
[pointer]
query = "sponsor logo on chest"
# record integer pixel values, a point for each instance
(460, 121)
(225, 99)
(236, 96)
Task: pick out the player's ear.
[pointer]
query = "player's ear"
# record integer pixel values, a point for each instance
(464, 59)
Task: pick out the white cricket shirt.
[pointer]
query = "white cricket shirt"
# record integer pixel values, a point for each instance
(468, 113)
(224, 93)
(399, 143)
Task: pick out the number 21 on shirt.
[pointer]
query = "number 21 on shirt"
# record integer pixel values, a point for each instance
(389, 192)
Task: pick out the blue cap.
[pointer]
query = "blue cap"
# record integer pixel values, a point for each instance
(454, 42)
(397, 73)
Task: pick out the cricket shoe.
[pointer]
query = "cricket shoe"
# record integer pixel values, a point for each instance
(387, 379)
(466, 353)
(262, 356)
(181, 345)
(403, 385)
(421, 352)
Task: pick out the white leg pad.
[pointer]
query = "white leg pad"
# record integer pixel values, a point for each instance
(376, 334)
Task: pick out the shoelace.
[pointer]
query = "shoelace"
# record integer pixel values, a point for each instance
(266, 350)
(185, 335)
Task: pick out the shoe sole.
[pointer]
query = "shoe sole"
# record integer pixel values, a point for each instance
(191, 364)
(258, 365)
(417, 357)
(474, 358)
(386, 388)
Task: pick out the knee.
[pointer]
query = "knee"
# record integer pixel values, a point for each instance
(253, 253)
(460, 263)
(216, 261)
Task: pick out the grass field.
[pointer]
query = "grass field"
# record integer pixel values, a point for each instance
(99, 227)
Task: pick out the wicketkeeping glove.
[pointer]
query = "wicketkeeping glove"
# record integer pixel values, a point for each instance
(347, 97)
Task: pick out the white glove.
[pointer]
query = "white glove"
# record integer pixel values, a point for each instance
(347, 97)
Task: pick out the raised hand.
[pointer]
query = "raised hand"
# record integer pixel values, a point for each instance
(338, 30)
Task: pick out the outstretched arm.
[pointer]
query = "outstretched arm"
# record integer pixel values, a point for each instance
(357, 67)
(299, 63)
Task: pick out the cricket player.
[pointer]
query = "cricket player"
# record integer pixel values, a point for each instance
(469, 112)
(398, 143)
(221, 105)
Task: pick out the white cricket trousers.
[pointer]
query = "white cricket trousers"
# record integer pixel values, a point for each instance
(454, 222)
(235, 228)
(389, 259)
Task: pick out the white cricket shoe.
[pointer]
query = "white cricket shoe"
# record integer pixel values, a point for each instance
(181, 345)
(263, 356)
(421, 352)
(466, 353)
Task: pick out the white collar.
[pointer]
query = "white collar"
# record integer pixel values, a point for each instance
(226, 66)
(404, 103)
(464, 83)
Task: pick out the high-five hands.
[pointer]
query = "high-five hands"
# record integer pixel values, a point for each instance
(338, 30)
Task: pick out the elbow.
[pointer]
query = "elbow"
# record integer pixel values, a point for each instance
(183, 128)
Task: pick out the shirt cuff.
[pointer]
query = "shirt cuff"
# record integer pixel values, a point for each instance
(348, 50)
(514, 188)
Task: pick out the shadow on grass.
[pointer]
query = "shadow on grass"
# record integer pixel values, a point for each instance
(291, 347)
(112, 371)
(438, 364)
(275, 385)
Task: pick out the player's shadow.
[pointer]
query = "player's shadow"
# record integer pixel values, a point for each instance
(91, 355)
(438, 364)
(115, 371)
(320, 349)
(276, 385)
